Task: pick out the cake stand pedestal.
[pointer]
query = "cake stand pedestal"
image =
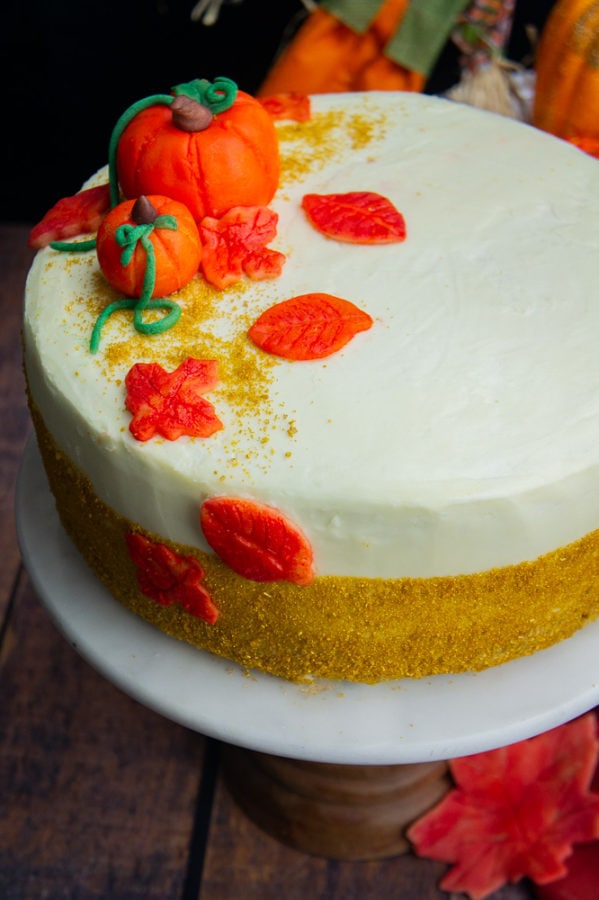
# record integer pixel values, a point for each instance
(332, 768)
(336, 811)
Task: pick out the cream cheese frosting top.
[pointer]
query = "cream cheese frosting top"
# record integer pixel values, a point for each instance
(460, 433)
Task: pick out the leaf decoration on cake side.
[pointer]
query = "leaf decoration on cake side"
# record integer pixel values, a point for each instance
(170, 404)
(71, 216)
(357, 217)
(515, 812)
(170, 578)
(290, 105)
(309, 326)
(235, 244)
(257, 541)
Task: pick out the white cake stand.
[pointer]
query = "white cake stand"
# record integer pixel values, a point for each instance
(329, 724)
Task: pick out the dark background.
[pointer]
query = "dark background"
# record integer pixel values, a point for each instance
(70, 68)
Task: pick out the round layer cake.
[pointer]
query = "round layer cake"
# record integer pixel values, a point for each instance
(439, 473)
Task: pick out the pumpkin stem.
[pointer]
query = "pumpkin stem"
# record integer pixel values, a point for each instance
(218, 95)
(189, 115)
(143, 212)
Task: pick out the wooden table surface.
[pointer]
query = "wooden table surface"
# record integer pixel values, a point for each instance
(101, 797)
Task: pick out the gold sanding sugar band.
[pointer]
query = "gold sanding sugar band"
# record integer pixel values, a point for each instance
(355, 629)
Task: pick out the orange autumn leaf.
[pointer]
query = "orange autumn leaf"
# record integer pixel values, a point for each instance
(235, 244)
(170, 404)
(515, 812)
(169, 578)
(588, 144)
(71, 216)
(357, 217)
(309, 326)
(288, 105)
(257, 541)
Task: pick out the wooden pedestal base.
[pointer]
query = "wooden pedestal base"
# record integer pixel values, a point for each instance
(335, 811)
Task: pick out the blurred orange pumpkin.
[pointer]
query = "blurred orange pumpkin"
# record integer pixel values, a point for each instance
(328, 56)
(176, 251)
(567, 71)
(232, 161)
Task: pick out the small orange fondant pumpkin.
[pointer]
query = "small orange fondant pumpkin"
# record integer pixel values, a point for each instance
(231, 160)
(567, 67)
(130, 264)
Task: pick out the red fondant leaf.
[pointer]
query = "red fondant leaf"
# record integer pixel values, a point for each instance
(257, 541)
(79, 214)
(589, 144)
(170, 404)
(515, 812)
(358, 217)
(263, 265)
(290, 105)
(233, 244)
(168, 578)
(309, 326)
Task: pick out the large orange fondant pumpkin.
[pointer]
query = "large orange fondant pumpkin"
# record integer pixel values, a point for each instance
(231, 160)
(567, 66)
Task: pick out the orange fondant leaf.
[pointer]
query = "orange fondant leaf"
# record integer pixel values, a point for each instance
(288, 105)
(170, 404)
(589, 144)
(169, 578)
(515, 812)
(257, 541)
(310, 326)
(79, 214)
(358, 217)
(263, 265)
(236, 243)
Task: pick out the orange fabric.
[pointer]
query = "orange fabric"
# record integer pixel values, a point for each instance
(326, 56)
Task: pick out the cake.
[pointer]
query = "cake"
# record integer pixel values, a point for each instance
(422, 498)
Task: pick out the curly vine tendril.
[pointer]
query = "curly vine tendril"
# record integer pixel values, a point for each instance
(128, 237)
(217, 96)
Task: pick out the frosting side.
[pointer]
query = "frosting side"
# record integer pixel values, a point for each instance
(458, 434)
(355, 629)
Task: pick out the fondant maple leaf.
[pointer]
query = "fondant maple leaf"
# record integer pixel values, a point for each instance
(170, 404)
(170, 578)
(515, 812)
(235, 245)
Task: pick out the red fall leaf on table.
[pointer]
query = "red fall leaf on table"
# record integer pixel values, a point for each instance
(358, 217)
(169, 578)
(79, 214)
(309, 326)
(582, 879)
(515, 812)
(170, 404)
(291, 105)
(257, 541)
(235, 245)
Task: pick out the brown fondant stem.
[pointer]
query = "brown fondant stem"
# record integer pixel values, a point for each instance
(189, 115)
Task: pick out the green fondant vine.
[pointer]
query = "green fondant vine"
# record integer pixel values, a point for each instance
(216, 96)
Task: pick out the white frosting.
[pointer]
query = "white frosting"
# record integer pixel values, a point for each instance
(460, 433)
